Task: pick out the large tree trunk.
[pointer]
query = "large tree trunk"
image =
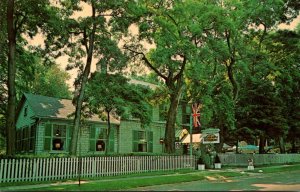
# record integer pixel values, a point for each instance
(262, 142)
(108, 134)
(171, 118)
(235, 90)
(281, 145)
(90, 47)
(11, 108)
(293, 150)
(237, 146)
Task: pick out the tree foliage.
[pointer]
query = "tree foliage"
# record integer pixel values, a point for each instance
(228, 54)
(22, 20)
(91, 37)
(114, 96)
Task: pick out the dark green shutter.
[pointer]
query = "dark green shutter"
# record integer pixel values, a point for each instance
(47, 144)
(111, 145)
(48, 130)
(70, 131)
(150, 141)
(92, 132)
(112, 139)
(135, 140)
(48, 133)
(69, 135)
(92, 145)
(92, 138)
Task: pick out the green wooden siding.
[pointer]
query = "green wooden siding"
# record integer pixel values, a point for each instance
(25, 120)
(150, 141)
(155, 113)
(129, 136)
(121, 140)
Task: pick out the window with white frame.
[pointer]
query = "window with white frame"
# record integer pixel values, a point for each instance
(57, 137)
(99, 141)
(142, 141)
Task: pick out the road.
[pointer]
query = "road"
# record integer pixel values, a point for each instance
(284, 181)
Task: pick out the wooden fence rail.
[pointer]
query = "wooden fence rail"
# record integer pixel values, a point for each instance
(45, 169)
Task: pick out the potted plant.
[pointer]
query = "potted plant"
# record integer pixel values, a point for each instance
(200, 163)
(250, 164)
(217, 162)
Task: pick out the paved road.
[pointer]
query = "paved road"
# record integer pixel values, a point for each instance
(285, 181)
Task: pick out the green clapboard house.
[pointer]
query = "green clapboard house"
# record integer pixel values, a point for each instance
(44, 125)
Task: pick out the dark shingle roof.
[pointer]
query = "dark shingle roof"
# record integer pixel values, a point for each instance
(51, 107)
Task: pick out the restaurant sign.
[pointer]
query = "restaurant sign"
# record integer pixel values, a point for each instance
(210, 136)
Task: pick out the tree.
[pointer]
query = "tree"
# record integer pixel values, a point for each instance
(236, 42)
(92, 37)
(113, 95)
(26, 20)
(3, 69)
(169, 26)
(284, 54)
(36, 77)
(11, 110)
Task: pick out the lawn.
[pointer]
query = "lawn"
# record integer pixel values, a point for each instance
(133, 182)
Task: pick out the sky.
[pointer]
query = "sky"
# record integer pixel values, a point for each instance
(63, 60)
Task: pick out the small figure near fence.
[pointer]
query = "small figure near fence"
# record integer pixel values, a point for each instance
(250, 164)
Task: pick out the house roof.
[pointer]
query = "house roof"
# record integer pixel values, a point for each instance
(196, 138)
(50, 107)
(150, 85)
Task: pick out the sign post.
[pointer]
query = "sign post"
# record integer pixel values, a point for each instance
(210, 136)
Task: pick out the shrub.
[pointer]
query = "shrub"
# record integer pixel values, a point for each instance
(200, 161)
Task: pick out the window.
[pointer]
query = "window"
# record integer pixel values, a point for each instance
(56, 137)
(142, 141)
(32, 137)
(99, 141)
(26, 139)
(59, 133)
(163, 111)
(187, 119)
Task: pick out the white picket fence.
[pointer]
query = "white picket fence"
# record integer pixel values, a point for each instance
(45, 169)
(259, 159)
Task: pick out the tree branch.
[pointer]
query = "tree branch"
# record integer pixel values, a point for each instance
(144, 58)
(174, 21)
(182, 68)
(18, 24)
(85, 40)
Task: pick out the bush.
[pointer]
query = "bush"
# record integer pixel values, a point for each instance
(200, 161)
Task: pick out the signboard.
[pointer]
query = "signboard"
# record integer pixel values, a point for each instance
(210, 136)
(177, 145)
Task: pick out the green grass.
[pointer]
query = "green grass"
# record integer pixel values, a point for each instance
(133, 182)
(278, 168)
(154, 173)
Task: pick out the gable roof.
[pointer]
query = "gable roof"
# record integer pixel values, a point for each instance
(51, 107)
(146, 84)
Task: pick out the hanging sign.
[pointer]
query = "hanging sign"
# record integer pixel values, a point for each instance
(210, 136)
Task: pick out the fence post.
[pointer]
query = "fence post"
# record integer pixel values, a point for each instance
(1, 170)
